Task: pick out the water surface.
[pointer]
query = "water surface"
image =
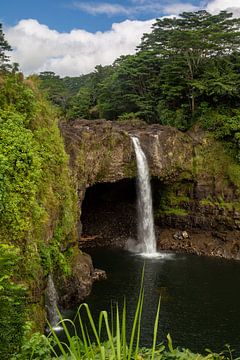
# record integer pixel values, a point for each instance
(200, 296)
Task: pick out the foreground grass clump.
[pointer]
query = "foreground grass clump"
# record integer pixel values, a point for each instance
(107, 340)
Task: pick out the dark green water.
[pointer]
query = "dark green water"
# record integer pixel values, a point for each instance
(200, 296)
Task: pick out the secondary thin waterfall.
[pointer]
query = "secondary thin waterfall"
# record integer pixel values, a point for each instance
(146, 233)
(51, 301)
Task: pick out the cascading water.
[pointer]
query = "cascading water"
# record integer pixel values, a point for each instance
(51, 302)
(146, 233)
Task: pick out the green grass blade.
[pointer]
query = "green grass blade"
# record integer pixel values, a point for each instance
(58, 342)
(109, 333)
(123, 335)
(139, 325)
(116, 347)
(69, 337)
(95, 332)
(84, 337)
(136, 317)
(112, 318)
(118, 333)
(170, 344)
(74, 343)
(91, 321)
(90, 346)
(156, 329)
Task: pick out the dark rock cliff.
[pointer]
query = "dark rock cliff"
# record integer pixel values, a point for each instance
(195, 181)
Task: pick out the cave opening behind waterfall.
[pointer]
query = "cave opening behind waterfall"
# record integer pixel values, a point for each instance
(109, 212)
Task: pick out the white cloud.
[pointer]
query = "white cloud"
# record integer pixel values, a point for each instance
(215, 6)
(38, 48)
(138, 7)
(103, 8)
(178, 8)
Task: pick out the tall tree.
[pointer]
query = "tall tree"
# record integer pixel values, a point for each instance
(55, 88)
(186, 43)
(131, 88)
(80, 104)
(4, 46)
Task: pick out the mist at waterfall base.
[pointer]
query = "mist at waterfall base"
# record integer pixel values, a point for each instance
(146, 244)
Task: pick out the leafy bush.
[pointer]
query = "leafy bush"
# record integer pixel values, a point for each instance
(20, 172)
(225, 125)
(176, 118)
(38, 206)
(12, 302)
(15, 96)
(36, 348)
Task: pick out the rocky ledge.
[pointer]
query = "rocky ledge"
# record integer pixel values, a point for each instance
(76, 287)
(195, 181)
(201, 242)
(102, 151)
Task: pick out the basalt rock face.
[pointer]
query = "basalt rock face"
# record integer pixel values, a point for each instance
(75, 288)
(102, 151)
(195, 181)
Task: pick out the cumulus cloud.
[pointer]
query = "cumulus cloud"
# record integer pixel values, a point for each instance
(38, 48)
(215, 6)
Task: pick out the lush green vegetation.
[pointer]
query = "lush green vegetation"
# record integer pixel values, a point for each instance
(109, 339)
(37, 202)
(35, 180)
(12, 301)
(186, 71)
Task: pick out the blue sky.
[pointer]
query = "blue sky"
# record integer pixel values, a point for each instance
(71, 37)
(64, 15)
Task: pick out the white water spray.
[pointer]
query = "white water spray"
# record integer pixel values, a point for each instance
(146, 233)
(51, 302)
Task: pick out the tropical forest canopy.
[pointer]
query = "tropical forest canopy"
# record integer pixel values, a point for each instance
(186, 70)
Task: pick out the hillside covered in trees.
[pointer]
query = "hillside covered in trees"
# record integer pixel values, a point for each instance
(185, 74)
(186, 70)
(37, 202)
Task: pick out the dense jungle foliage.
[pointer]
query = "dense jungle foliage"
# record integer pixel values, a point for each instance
(186, 70)
(37, 202)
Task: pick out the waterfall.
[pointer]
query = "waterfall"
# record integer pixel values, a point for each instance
(146, 233)
(51, 302)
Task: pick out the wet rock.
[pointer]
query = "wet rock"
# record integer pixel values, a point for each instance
(178, 236)
(187, 165)
(181, 235)
(185, 235)
(102, 151)
(99, 274)
(220, 235)
(201, 242)
(76, 287)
